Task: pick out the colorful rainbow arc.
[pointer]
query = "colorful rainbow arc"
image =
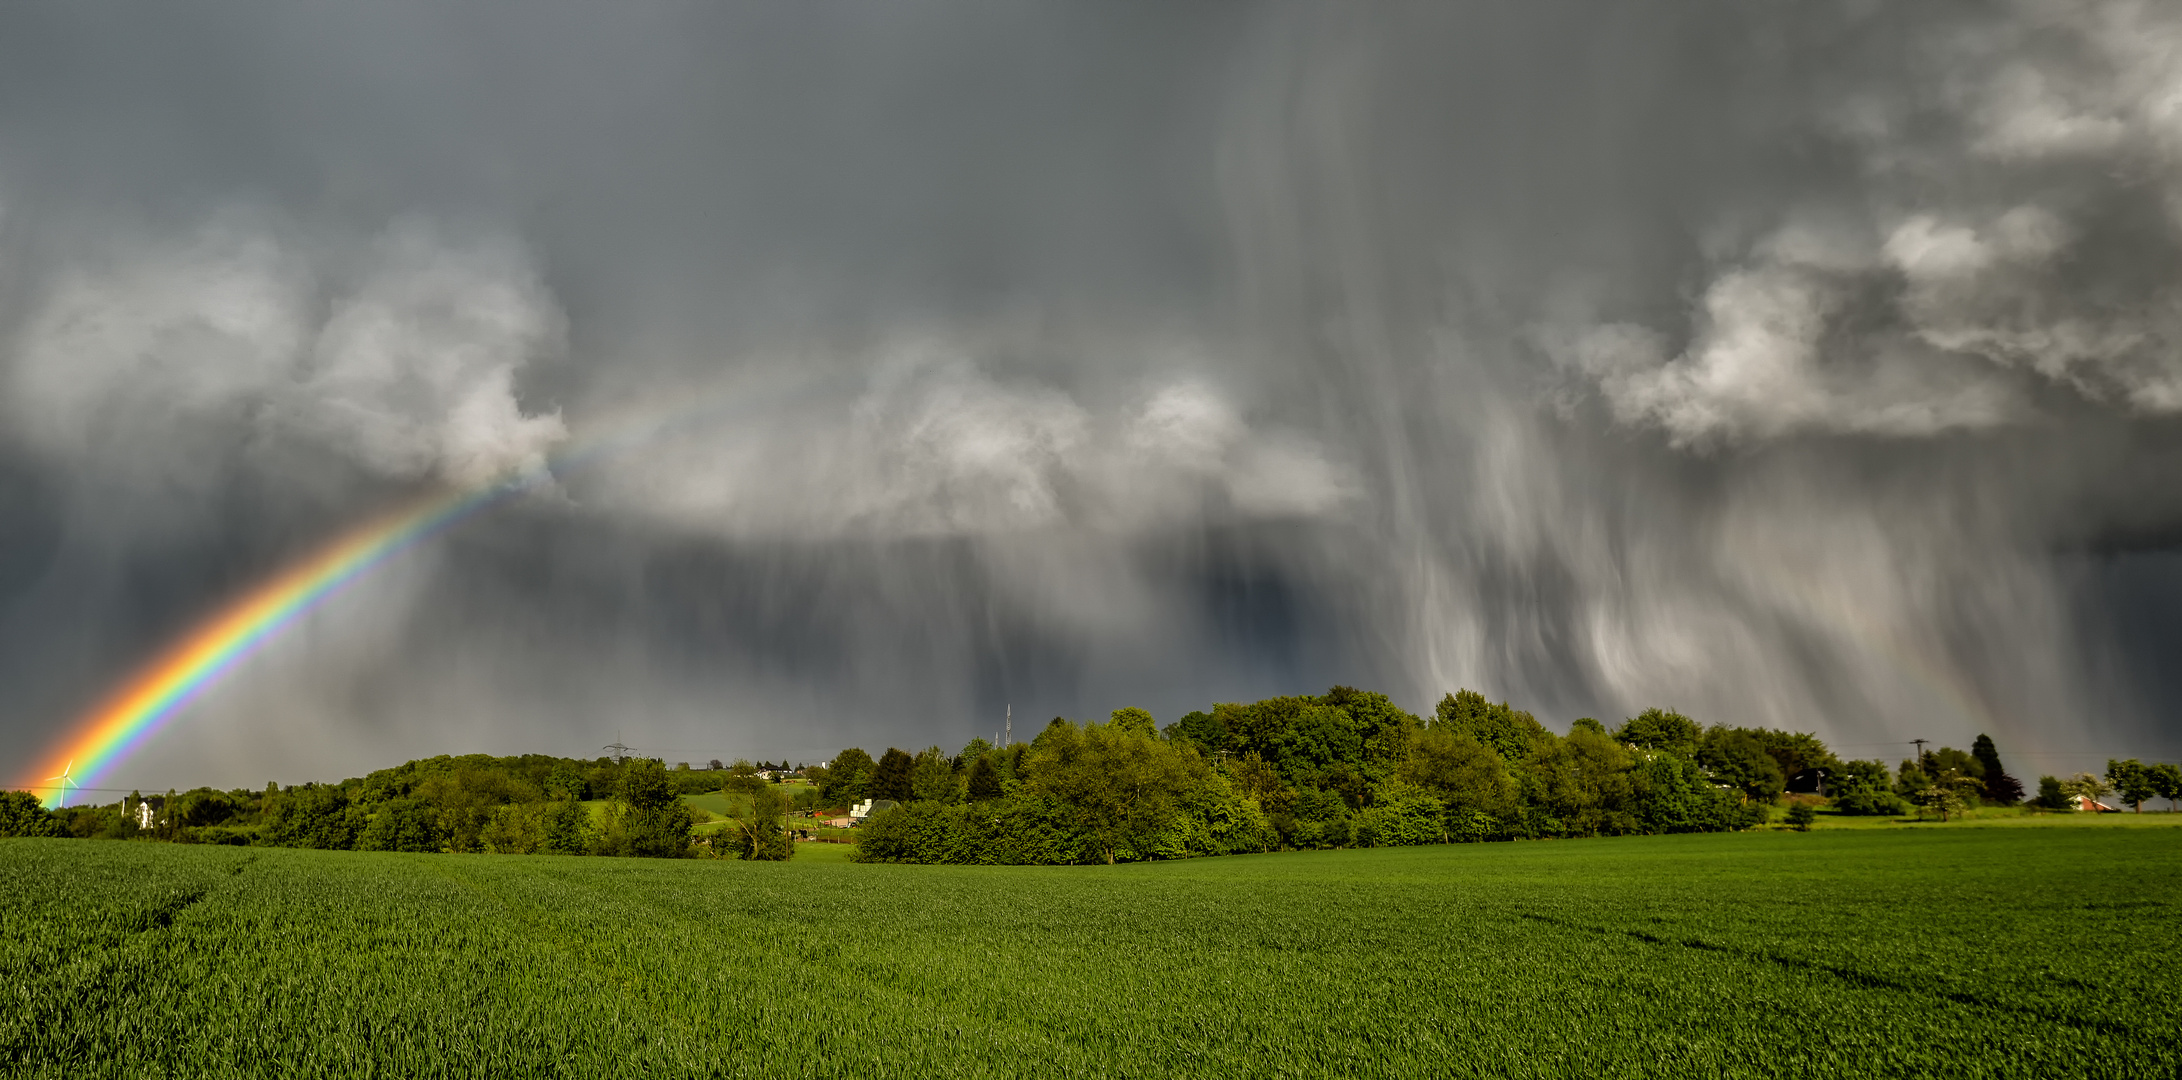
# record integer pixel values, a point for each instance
(127, 718)
(142, 706)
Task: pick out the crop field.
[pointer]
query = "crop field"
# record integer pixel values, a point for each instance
(1973, 952)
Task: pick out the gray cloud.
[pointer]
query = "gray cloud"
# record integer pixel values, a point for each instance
(1808, 365)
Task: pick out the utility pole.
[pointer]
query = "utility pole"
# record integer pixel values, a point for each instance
(1920, 750)
(621, 753)
(1010, 726)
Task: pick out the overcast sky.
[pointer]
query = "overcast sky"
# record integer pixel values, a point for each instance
(1809, 365)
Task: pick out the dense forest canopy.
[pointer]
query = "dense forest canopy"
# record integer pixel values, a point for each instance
(1345, 768)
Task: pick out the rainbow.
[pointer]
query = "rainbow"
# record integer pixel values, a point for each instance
(124, 720)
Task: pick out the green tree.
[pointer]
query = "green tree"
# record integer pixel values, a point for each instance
(652, 821)
(763, 835)
(892, 777)
(847, 778)
(1119, 785)
(2166, 781)
(568, 828)
(984, 779)
(22, 814)
(2086, 786)
(403, 825)
(1662, 729)
(1864, 788)
(514, 829)
(1401, 814)
(742, 778)
(1132, 719)
(1999, 786)
(2131, 781)
(932, 777)
(313, 816)
(1204, 730)
(2053, 794)
(1508, 731)
(1948, 793)
(1470, 777)
(1738, 758)
(1801, 815)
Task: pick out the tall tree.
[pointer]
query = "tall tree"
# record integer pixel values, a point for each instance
(654, 823)
(1120, 785)
(21, 814)
(932, 777)
(984, 779)
(891, 778)
(2166, 782)
(1999, 786)
(2131, 781)
(847, 778)
(1132, 719)
(1662, 729)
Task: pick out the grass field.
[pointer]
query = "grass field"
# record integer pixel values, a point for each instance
(1957, 952)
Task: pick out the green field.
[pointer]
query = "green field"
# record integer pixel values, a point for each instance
(1957, 952)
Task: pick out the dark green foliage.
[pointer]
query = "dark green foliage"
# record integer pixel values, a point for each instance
(1509, 732)
(1737, 757)
(2132, 781)
(932, 777)
(403, 825)
(1801, 815)
(568, 828)
(1585, 723)
(2166, 781)
(742, 778)
(1132, 719)
(1863, 788)
(2053, 795)
(22, 814)
(1662, 729)
(1204, 730)
(313, 816)
(1401, 814)
(1999, 786)
(648, 818)
(984, 779)
(763, 835)
(847, 779)
(892, 778)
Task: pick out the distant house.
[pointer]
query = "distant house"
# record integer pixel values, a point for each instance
(869, 807)
(1809, 782)
(839, 822)
(2089, 805)
(147, 810)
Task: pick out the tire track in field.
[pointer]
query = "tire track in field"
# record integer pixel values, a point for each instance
(1862, 979)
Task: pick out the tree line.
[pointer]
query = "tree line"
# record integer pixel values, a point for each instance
(1349, 768)
(527, 804)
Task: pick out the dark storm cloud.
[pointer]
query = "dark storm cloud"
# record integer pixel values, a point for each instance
(1807, 365)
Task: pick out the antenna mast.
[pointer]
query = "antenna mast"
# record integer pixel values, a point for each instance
(1010, 726)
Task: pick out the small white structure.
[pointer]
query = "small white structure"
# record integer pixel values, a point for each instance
(868, 807)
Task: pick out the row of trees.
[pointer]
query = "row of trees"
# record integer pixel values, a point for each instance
(2129, 778)
(1346, 768)
(474, 803)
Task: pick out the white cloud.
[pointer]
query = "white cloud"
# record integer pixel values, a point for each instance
(406, 365)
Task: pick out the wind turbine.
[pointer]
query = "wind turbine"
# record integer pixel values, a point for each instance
(66, 780)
